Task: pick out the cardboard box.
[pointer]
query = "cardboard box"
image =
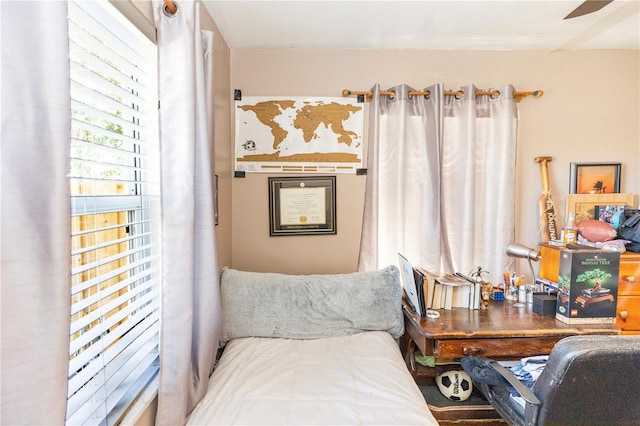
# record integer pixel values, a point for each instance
(587, 286)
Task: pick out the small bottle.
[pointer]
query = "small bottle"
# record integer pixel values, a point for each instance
(569, 233)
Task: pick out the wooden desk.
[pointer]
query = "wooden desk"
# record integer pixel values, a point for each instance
(502, 331)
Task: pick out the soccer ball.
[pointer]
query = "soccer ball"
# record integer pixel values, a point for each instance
(455, 385)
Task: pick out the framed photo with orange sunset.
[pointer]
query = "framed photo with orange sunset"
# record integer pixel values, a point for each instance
(595, 178)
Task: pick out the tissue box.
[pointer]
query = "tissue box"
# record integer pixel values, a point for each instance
(587, 286)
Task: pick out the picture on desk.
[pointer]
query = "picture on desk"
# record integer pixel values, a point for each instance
(607, 213)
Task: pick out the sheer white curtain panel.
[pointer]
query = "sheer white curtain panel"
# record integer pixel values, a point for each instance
(190, 308)
(440, 180)
(402, 197)
(35, 222)
(478, 179)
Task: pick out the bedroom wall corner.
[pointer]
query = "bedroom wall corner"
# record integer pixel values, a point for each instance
(223, 103)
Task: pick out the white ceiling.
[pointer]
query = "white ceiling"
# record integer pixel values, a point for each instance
(453, 24)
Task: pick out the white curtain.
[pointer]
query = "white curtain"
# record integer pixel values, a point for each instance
(402, 197)
(478, 179)
(35, 257)
(440, 180)
(190, 308)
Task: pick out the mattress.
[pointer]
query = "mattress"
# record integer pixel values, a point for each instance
(359, 379)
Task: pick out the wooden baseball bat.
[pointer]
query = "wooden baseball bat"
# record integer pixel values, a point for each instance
(548, 228)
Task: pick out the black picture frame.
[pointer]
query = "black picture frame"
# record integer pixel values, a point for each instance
(595, 178)
(302, 205)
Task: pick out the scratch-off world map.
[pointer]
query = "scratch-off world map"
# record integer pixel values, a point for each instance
(296, 134)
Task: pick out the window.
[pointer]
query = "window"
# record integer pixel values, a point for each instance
(115, 198)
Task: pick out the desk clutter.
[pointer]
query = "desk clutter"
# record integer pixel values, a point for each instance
(517, 291)
(428, 291)
(577, 285)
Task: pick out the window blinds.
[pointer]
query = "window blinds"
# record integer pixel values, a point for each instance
(114, 182)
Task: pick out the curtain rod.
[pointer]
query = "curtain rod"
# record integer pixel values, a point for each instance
(495, 93)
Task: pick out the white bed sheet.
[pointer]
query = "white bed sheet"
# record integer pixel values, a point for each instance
(349, 380)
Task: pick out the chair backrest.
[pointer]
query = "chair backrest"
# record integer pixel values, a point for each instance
(590, 380)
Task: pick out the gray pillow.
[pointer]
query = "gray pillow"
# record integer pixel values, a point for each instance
(265, 304)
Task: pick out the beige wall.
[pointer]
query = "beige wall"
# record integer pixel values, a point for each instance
(222, 137)
(589, 113)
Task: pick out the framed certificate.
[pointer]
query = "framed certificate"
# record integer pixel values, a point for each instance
(302, 205)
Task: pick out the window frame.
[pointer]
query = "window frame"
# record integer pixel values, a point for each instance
(138, 207)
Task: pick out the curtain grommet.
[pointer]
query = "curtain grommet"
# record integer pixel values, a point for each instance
(495, 94)
(166, 9)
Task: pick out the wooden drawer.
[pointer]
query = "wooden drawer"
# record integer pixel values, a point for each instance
(628, 314)
(629, 282)
(511, 348)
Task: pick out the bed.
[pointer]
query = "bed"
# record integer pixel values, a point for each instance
(311, 350)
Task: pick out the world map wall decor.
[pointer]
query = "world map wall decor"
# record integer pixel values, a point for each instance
(298, 134)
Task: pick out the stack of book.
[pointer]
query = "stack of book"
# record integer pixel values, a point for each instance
(445, 291)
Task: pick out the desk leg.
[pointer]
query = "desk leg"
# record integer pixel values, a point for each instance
(411, 349)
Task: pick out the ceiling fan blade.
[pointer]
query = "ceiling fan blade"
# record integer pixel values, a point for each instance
(589, 6)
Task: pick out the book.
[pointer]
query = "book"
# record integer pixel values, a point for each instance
(448, 297)
(462, 296)
(477, 295)
(419, 280)
(444, 290)
(450, 279)
(431, 284)
(428, 286)
(475, 291)
(438, 293)
(457, 292)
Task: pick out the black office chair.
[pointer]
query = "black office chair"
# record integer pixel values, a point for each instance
(588, 380)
